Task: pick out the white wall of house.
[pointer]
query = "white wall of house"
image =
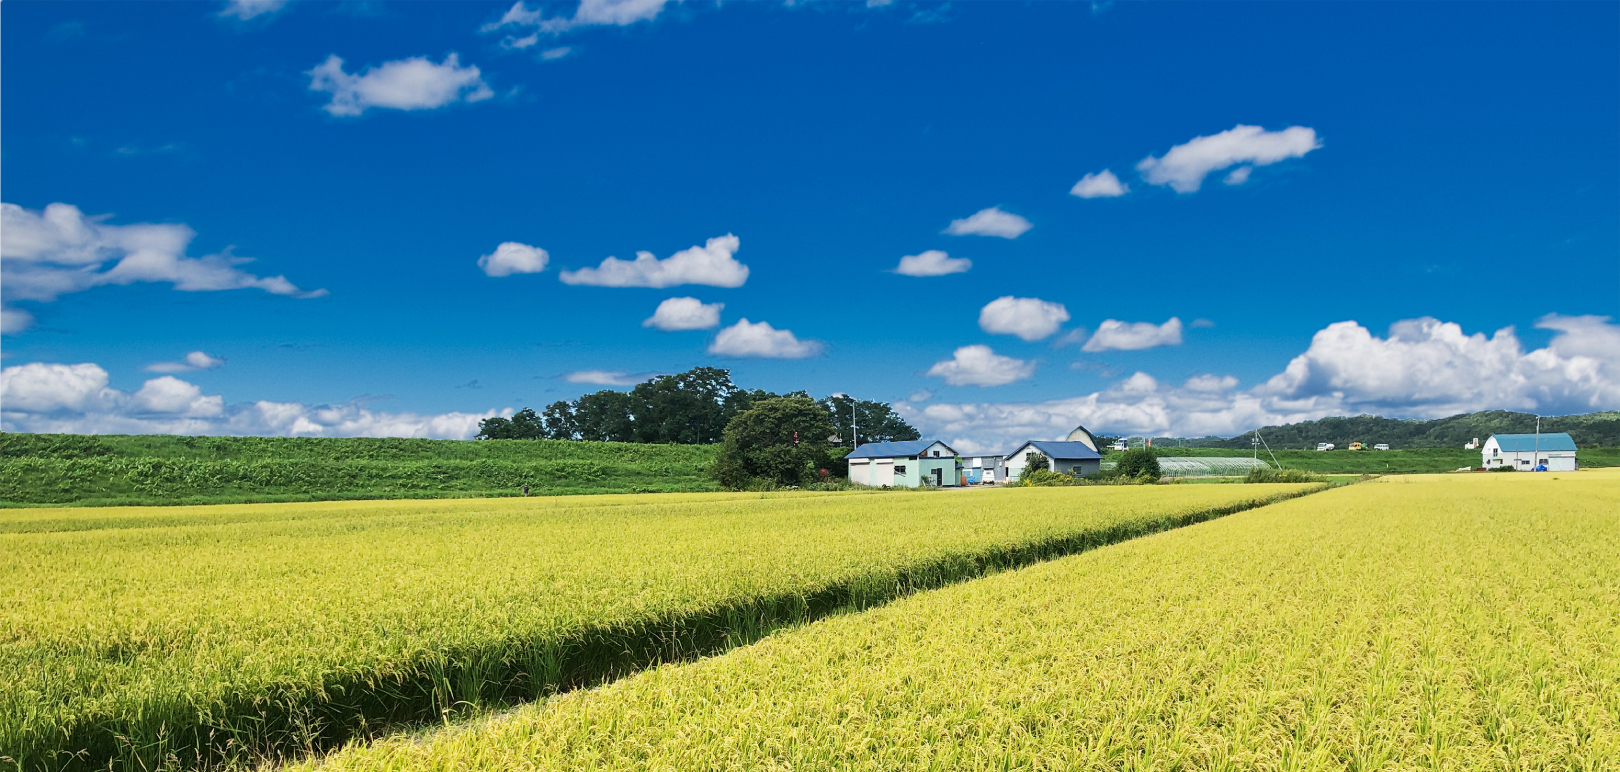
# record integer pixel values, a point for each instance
(1492, 456)
(1020, 460)
(860, 471)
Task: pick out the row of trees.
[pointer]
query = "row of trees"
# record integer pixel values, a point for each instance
(690, 408)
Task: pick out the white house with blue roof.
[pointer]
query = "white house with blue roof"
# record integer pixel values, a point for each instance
(1525, 452)
(1077, 458)
(903, 464)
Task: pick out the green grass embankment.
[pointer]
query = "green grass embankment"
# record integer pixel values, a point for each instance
(40, 469)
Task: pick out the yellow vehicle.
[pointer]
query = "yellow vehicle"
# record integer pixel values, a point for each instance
(1355, 446)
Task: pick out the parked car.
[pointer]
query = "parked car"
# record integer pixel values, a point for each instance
(1324, 446)
(1380, 446)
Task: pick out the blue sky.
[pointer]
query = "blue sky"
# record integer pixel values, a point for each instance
(1458, 164)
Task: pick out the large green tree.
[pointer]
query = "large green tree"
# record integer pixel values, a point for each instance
(689, 408)
(523, 425)
(781, 441)
(605, 417)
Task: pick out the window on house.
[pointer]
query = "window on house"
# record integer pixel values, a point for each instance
(900, 469)
(936, 454)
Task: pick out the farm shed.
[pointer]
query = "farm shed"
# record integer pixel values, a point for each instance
(1524, 452)
(1076, 458)
(903, 464)
(984, 469)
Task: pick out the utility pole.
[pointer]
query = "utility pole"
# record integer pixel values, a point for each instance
(1535, 456)
(854, 434)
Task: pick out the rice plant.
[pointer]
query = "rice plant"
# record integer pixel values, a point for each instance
(140, 638)
(1467, 622)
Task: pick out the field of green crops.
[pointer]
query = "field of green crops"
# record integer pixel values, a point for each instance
(197, 636)
(158, 469)
(1467, 622)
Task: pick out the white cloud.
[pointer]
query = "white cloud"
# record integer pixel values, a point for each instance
(605, 377)
(762, 340)
(1114, 335)
(53, 398)
(512, 257)
(519, 43)
(249, 9)
(685, 314)
(710, 264)
(920, 395)
(556, 53)
(932, 263)
(990, 222)
(1186, 165)
(588, 13)
(46, 388)
(1028, 318)
(1238, 176)
(1201, 324)
(196, 360)
(1424, 368)
(176, 397)
(57, 251)
(404, 84)
(979, 366)
(1102, 184)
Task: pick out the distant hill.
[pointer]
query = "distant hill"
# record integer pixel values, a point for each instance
(1589, 430)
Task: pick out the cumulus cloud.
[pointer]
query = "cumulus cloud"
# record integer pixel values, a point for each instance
(57, 398)
(990, 222)
(762, 340)
(1423, 368)
(932, 263)
(978, 365)
(57, 251)
(196, 360)
(1102, 184)
(1114, 335)
(589, 13)
(404, 84)
(606, 377)
(1028, 318)
(712, 264)
(685, 314)
(250, 9)
(512, 257)
(1186, 165)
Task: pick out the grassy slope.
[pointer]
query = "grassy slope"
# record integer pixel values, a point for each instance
(161, 469)
(267, 630)
(1457, 622)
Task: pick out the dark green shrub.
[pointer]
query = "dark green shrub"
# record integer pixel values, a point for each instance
(1139, 463)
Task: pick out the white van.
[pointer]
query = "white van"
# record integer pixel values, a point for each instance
(1324, 446)
(1380, 446)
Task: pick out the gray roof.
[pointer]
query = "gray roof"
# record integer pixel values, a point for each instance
(1525, 443)
(894, 449)
(1065, 451)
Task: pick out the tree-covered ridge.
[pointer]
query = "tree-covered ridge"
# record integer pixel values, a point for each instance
(1588, 430)
(690, 408)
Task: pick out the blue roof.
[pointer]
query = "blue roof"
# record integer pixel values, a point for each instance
(1525, 443)
(893, 449)
(1067, 451)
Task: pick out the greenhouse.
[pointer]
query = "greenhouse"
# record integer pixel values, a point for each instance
(1204, 466)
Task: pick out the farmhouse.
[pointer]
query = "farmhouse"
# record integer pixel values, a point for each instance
(1066, 457)
(1527, 451)
(984, 469)
(903, 464)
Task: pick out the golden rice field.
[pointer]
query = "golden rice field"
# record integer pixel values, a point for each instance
(1467, 622)
(140, 638)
